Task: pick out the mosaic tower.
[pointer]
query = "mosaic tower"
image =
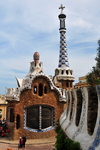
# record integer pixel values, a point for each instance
(63, 59)
(63, 75)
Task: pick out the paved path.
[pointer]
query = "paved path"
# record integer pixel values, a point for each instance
(34, 144)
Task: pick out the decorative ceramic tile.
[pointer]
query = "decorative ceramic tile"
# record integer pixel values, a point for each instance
(63, 59)
(73, 112)
(96, 141)
(82, 118)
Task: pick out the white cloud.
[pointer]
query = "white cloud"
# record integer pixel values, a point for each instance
(29, 26)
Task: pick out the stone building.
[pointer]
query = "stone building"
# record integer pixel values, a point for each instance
(3, 106)
(82, 82)
(39, 100)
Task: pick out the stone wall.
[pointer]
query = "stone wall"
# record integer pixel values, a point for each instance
(84, 125)
(29, 98)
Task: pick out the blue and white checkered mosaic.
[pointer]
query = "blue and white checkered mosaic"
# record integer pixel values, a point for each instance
(63, 59)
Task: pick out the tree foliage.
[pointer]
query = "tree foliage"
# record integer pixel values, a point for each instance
(63, 142)
(93, 77)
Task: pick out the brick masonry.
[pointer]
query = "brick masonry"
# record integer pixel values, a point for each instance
(28, 98)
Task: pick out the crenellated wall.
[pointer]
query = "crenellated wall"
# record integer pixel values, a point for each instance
(81, 117)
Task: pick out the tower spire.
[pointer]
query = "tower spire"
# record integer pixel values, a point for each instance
(63, 75)
(63, 58)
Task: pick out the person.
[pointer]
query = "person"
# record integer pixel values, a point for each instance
(20, 143)
(2, 133)
(7, 132)
(24, 141)
(1, 128)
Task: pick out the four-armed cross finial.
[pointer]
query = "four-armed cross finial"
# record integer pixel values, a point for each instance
(61, 7)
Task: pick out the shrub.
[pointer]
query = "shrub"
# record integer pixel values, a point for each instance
(63, 142)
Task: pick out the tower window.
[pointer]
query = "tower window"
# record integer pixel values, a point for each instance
(66, 71)
(62, 72)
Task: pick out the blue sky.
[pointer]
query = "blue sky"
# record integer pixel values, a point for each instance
(27, 26)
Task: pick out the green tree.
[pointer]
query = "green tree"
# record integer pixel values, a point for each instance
(93, 77)
(98, 58)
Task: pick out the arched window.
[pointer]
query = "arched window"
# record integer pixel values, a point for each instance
(62, 72)
(45, 89)
(39, 118)
(66, 71)
(71, 72)
(56, 72)
(35, 90)
(40, 89)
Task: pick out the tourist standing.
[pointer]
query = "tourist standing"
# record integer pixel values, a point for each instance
(24, 141)
(20, 143)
